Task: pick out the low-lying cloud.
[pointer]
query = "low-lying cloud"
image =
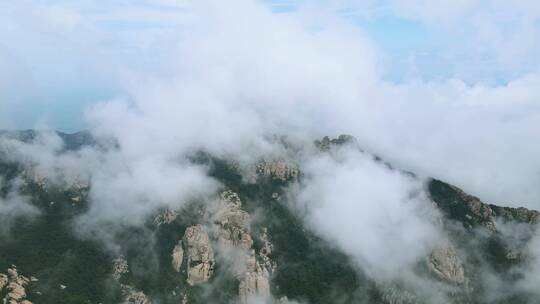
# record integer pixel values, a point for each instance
(237, 70)
(380, 217)
(239, 78)
(241, 72)
(13, 206)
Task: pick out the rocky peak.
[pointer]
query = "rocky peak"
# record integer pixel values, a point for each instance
(199, 255)
(230, 228)
(233, 231)
(326, 143)
(472, 212)
(458, 205)
(232, 222)
(520, 215)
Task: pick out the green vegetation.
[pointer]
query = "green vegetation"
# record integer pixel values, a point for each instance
(47, 248)
(308, 268)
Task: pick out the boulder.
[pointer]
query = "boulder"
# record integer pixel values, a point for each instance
(446, 265)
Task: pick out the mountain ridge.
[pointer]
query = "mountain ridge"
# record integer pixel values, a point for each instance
(307, 268)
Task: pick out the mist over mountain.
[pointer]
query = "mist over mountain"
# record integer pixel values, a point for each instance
(319, 221)
(201, 159)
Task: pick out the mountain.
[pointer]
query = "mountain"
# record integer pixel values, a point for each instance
(245, 244)
(72, 141)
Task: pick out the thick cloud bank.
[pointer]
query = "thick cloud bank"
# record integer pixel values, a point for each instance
(377, 215)
(239, 71)
(235, 72)
(225, 73)
(237, 78)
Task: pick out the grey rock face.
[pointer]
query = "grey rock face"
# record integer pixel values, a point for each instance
(253, 285)
(233, 230)
(166, 217)
(482, 212)
(199, 255)
(177, 256)
(233, 222)
(446, 265)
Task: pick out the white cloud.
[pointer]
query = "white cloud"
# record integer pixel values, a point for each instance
(378, 216)
(236, 71)
(240, 71)
(500, 33)
(531, 271)
(13, 206)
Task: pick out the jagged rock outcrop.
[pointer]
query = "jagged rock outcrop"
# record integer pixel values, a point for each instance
(279, 170)
(233, 231)
(520, 215)
(265, 253)
(326, 143)
(131, 295)
(15, 285)
(254, 284)
(199, 255)
(472, 212)
(458, 205)
(233, 222)
(446, 265)
(177, 256)
(166, 217)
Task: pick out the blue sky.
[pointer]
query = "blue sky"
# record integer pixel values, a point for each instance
(60, 56)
